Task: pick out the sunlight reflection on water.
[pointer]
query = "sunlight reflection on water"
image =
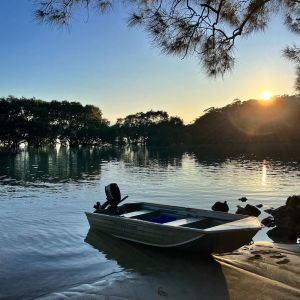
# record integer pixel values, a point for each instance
(264, 173)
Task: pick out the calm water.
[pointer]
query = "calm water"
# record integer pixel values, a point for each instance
(45, 248)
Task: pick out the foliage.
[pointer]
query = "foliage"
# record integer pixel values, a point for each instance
(293, 53)
(205, 28)
(37, 122)
(152, 128)
(252, 121)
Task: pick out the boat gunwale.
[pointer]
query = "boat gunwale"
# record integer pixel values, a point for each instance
(185, 228)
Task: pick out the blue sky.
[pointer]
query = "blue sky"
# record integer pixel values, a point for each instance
(103, 62)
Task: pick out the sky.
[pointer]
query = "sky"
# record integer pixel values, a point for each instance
(99, 60)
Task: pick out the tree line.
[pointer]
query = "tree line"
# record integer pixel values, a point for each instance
(37, 123)
(252, 121)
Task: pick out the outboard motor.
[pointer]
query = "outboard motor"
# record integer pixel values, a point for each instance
(113, 194)
(113, 198)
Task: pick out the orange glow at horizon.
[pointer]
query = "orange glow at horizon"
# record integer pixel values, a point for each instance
(265, 95)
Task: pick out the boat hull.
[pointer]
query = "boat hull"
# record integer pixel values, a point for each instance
(162, 236)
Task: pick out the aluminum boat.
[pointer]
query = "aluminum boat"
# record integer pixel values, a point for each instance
(167, 226)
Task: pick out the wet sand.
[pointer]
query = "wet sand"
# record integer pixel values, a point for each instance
(260, 271)
(263, 271)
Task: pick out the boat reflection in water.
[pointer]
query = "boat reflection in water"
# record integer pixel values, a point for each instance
(156, 274)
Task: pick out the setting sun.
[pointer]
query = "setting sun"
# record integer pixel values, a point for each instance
(265, 95)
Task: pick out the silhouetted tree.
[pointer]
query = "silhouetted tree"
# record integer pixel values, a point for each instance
(205, 28)
(250, 121)
(37, 123)
(293, 53)
(152, 128)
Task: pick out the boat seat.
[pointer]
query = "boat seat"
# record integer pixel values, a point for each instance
(184, 221)
(137, 213)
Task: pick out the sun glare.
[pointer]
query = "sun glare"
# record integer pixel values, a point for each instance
(265, 95)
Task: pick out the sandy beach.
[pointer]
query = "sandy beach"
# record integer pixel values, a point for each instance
(262, 270)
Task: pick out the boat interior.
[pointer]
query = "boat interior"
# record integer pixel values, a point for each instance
(169, 217)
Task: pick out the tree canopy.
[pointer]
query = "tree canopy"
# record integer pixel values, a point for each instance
(38, 122)
(252, 121)
(151, 128)
(208, 29)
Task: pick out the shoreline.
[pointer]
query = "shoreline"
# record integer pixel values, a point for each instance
(263, 270)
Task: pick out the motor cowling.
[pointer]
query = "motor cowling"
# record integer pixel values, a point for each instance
(113, 194)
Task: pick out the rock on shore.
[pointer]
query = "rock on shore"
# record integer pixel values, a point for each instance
(248, 210)
(287, 220)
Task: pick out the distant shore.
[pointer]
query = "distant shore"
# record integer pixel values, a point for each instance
(37, 123)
